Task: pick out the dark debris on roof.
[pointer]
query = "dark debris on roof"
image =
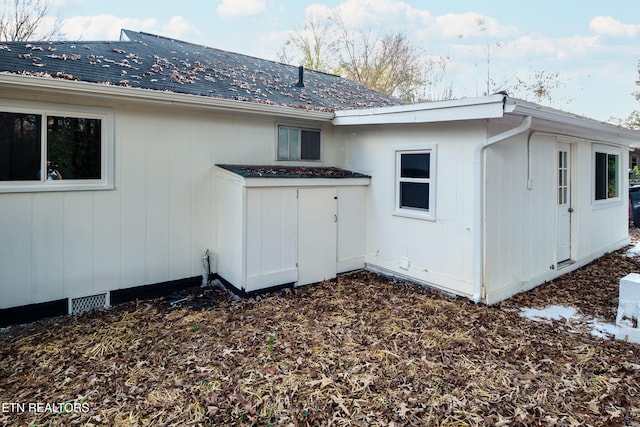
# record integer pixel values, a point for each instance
(148, 61)
(253, 171)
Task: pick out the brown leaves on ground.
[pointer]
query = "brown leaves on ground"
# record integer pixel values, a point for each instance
(358, 350)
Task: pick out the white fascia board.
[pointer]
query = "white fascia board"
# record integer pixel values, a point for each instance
(487, 107)
(13, 82)
(254, 182)
(581, 126)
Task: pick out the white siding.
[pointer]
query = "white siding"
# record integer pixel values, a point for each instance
(520, 236)
(47, 213)
(259, 228)
(16, 250)
(440, 251)
(153, 227)
(230, 212)
(600, 227)
(272, 240)
(520, 224)
(351, 227)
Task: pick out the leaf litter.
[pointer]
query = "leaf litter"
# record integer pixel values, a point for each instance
(361, 349)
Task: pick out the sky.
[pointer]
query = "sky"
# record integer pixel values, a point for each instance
(591, 47)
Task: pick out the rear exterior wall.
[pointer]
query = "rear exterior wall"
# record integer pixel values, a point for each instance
(434, 251)
(156, 224)
(521, 225)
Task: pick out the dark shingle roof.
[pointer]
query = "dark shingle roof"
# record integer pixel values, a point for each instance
(252, 171)
(148, 61)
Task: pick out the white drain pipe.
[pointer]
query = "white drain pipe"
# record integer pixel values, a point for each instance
(478, 204)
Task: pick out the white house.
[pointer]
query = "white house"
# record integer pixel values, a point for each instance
(170, 151)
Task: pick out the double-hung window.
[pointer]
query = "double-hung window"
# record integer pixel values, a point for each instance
(606, 174)
(53, 148)
(298, 143)
(415, 183)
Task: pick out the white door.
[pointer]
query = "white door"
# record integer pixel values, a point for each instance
(563, 199)
(317, 234)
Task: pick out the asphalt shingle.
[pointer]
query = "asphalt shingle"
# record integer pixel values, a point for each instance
(148, 61)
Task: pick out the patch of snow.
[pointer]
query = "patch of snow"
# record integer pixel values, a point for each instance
(633, 251)
(603, 330)
(554, 312)
(570, 314)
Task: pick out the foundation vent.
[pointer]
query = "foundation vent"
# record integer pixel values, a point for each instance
(91, 302)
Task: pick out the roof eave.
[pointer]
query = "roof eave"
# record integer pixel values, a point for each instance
(580, 126)
(486, 107)
(10, 82)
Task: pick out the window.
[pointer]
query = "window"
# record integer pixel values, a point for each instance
(563, 178)
(607, 172)
(44, 150)
(298, 144)
(415, 195)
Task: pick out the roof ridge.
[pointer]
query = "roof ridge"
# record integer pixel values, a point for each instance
(173, 39)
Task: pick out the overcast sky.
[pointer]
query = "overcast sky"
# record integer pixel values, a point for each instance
(594, 45)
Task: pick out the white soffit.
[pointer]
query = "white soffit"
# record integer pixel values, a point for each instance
(486, 107)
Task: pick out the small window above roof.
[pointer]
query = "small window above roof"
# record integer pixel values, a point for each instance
(298, 144)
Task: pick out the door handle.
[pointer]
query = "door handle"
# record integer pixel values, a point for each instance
(335, 218)
(570, 210)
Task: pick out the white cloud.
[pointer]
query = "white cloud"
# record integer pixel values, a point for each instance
(178, 27)
(107, 27)
(101, 27)
(608, 26)
(471, 25)
(577, 46)
(235, 8)
(372, 13)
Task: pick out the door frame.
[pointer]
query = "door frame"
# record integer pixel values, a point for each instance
(564, 173)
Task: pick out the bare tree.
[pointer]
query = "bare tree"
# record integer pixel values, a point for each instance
(314, 44)
(633, 121)
(438, 85)
(23, 20)
(540, 87)
(387, 63)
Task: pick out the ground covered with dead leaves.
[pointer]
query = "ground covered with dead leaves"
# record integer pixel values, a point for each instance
(360, 350)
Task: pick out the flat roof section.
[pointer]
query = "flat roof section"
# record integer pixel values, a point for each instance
(258, 171)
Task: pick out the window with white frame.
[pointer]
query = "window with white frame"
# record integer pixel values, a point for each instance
(298, 143)
(415, 183)
(606, 174)
(44, 147)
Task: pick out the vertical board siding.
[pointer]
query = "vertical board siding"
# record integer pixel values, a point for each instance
(180, 203)
(16, 251)
(439, 251)
(520, 222)
(521, 228)
(157, 196)
(153, 227)
(230, 232)
(202, 215)
(48, 250)
(599, 225)
(351, 228)
(78, 222)
(107, 240)
(271, 230)
(131, 184)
